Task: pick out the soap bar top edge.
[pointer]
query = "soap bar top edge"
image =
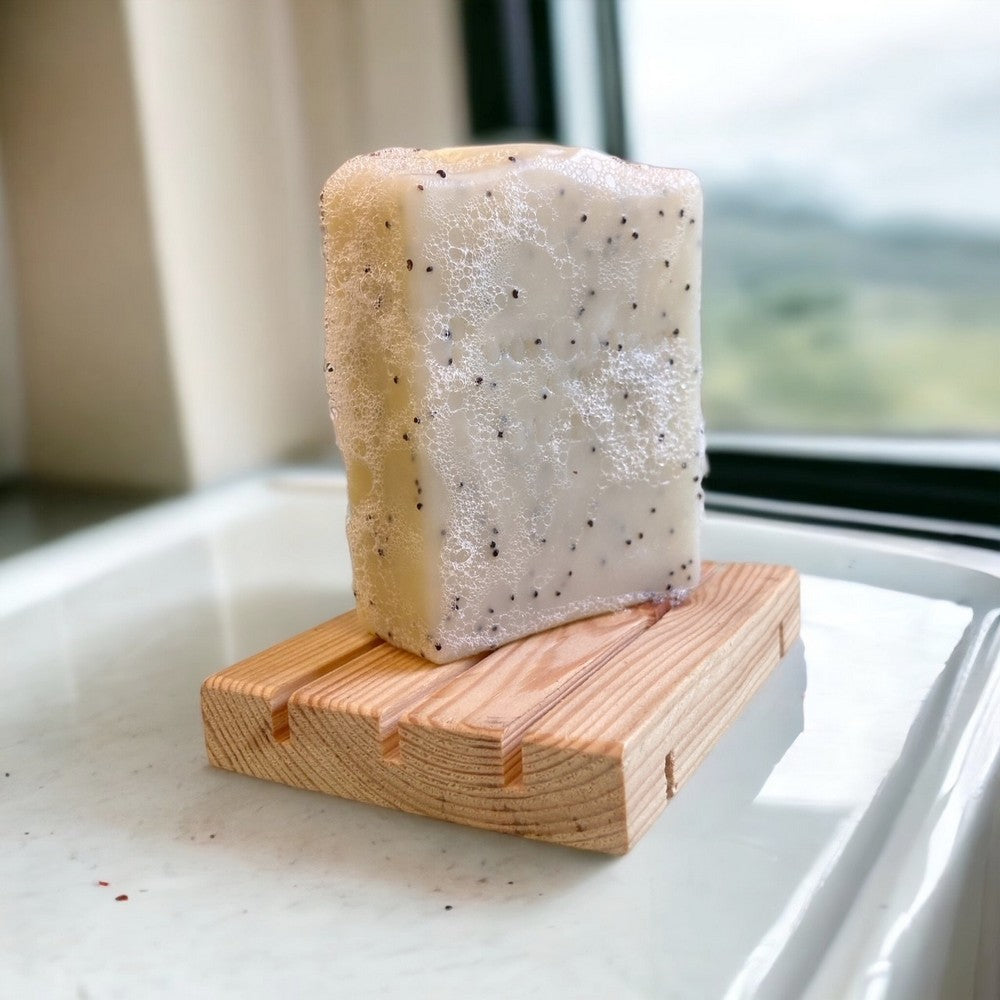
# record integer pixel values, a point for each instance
(475, 163)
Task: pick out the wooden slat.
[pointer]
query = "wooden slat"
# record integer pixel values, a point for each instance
(272, 675)
(724, 615)
(471, 729)
(578, 735)
(379, 686)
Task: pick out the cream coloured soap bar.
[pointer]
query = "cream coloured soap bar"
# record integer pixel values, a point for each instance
(514, 368)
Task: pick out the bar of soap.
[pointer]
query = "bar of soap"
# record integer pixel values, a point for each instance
(513, 366)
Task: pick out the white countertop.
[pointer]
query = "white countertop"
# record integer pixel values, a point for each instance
(841, 843)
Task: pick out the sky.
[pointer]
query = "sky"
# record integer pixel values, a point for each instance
(881, 109)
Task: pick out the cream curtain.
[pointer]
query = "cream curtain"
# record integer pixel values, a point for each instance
(161, 314)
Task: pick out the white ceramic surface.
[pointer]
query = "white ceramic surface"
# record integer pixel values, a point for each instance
(843, 839)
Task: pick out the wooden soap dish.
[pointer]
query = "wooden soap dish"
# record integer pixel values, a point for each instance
(578, 735)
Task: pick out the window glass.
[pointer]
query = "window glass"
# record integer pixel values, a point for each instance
(850, 155)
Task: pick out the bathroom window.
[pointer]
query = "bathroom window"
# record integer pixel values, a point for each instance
(850, 156)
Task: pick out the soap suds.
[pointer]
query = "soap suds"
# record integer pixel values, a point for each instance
(514, 380)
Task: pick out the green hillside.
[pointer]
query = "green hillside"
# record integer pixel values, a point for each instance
(811, 324)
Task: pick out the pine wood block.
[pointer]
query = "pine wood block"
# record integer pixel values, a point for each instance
(578, 735)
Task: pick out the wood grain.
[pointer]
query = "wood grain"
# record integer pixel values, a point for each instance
(577, 735)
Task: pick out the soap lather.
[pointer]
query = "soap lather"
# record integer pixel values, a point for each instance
(514, 368)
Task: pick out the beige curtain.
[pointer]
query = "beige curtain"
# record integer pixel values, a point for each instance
(160, 274)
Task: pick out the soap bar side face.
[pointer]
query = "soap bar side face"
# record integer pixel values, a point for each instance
(549, 440)
(372, 382)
